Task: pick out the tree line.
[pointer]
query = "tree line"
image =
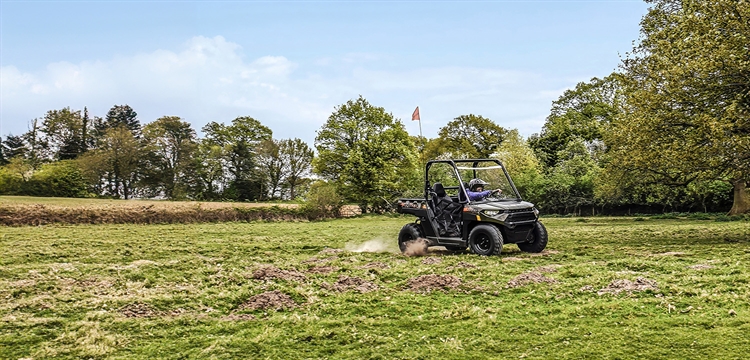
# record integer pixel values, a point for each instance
(668, 131)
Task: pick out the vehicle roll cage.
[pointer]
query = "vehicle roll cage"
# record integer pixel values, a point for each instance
(473, 167)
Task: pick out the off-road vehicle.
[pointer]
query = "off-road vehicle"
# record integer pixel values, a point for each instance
(446, 216)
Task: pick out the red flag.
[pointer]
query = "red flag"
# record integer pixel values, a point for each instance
(415, 114)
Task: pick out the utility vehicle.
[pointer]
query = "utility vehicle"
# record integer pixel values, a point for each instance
(446, 216)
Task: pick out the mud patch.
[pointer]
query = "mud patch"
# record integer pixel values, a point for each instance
(429, 283)
(528, 278)
(275, 300)
(416, 247)
(375, 265)
(431, 261)
(701, 267)
(138, 310)
(271, 272)
(322, 269)
(346, 283)
(618, 286)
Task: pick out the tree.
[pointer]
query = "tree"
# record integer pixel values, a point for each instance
(115, 166)
(120, 115)
(297, 158)
(236, 145)
(580, 114)
(469, 136)
(14, 146)
(688, 98)
(37, 149)
(67, 132)
(367, 153)
(170, 143)
(272, 165)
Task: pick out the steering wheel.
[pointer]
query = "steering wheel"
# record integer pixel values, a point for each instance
(495, 192)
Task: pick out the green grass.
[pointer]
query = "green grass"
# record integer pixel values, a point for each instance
(64, 289)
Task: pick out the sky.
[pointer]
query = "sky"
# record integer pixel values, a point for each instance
(289, 64)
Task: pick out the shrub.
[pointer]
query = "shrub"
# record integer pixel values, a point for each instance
(322, 201)
(58, 179)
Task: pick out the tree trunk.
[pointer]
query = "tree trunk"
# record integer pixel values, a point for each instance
(741, 203)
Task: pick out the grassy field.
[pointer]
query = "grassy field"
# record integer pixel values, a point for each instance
(607, 288)
(80, 203)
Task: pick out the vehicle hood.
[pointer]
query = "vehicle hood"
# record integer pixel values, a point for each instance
(503, 205)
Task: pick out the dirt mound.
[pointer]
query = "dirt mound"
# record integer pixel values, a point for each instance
(138, 310)
(346, 283)
(618, 286)
(276, 300)
(432, 260)
(529, 278)
(701, 267)
(428, 283)
(322, 269)
(271, 272)
(331, 251)
(416, 247)
(375, 265)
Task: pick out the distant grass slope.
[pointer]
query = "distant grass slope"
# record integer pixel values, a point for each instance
(191, 291)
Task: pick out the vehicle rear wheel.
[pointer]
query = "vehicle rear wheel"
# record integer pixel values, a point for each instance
(538, 241)
(486, 240)
(409, 232)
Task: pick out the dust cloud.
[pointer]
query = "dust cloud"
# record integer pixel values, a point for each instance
(373, 246)
(416, 247)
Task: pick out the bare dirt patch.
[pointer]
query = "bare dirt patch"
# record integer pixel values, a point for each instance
(138, 310)
(429, 283)
(375, 265)
(431, 261)
(622, 285)
(322, 269)
(670, 253)
(346, 283)
(276, 300)
(701, 267)
(548, 269)
(272, 272)
(513, 258)
(416, 247)
(545, 253)
(532, 277)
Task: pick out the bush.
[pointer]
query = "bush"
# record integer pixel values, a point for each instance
(58, 179)
(322, 201)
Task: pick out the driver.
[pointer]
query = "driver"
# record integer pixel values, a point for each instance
(476, 190)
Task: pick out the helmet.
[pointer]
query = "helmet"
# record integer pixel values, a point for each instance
(476, 182)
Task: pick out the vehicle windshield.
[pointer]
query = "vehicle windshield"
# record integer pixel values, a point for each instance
(492, 173)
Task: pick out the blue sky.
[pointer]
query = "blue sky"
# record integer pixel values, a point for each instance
(289, 63)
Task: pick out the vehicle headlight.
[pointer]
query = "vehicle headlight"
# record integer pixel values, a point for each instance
(497, 214)
(536, 211)
(491, 212)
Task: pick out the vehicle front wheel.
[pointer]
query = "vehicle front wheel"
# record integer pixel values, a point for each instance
(409, 232)
(537, 241)
(486, 240)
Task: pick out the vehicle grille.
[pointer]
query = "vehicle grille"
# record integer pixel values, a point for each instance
(520, 215)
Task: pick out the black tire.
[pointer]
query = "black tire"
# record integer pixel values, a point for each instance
(539, 241)
(486, 240)
(409, 232)
(455, 248)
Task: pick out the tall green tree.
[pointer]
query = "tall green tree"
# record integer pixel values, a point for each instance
(367, 153)
(115, 167)
(272, 167)
(688, 98)
(297, 158)
(120, 115)
(237, 145)
(170, 144)
(67, 132)
(466, 136)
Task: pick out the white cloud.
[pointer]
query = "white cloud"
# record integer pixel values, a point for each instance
(209, 80)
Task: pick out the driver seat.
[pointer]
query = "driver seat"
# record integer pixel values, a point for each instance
(447, 212)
